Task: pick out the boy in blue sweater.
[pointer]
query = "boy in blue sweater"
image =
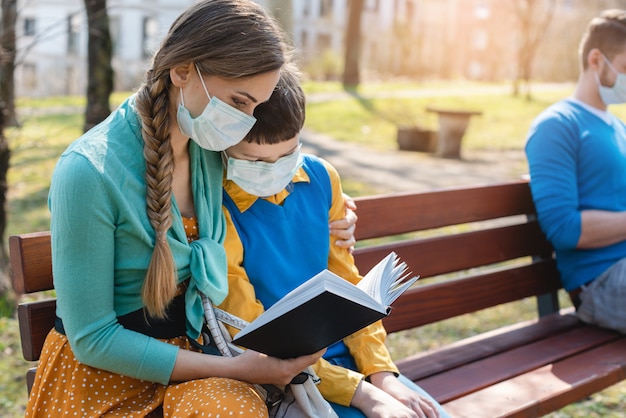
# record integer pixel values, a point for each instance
(576, 152)
(278, 203)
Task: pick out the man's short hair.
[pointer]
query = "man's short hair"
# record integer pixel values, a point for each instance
(607, 32)
(282, 116)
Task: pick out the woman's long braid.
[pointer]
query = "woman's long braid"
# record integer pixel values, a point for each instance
(225, 38)
(152, 103)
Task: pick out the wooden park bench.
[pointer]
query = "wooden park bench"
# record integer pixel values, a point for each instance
(474, 248)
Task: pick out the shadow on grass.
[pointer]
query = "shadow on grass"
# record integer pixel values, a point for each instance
(33, 156)
(29, 213)
(368, 104)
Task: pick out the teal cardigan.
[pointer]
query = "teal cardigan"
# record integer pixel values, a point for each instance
(102, 243)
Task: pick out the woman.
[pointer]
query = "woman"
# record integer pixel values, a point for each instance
(137, 231)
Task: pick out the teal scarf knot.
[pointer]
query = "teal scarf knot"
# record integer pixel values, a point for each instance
(208, 273)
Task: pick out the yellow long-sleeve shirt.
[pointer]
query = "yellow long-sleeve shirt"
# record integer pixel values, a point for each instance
(366, 346)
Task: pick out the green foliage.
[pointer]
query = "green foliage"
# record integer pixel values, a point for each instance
(7, 305)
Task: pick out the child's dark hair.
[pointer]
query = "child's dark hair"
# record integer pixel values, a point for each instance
(282, 116)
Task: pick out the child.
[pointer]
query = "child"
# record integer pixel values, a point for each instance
(278, 203)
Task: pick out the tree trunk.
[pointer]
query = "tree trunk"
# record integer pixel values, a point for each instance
(534, 18)
(7, 61)
(5, 155)
(351, 74)
(7, 114)
(7, 296)
(100, 71)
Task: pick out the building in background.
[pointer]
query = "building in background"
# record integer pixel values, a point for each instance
(52, 43)
(416, 39)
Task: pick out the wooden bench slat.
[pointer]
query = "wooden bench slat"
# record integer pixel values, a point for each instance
(425, 364)
(31, 262)
(35, 319)
(414, 212)
(30, 378)
(468, 378)
(449, 253)
(435, 302)
(548, 388)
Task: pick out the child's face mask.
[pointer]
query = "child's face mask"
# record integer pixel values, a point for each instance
(263, 179)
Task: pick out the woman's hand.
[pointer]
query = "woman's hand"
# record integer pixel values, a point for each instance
(250, 366)
(390, 384)
(254, 367)
(344, 228)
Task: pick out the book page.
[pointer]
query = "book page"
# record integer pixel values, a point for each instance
(387, 280)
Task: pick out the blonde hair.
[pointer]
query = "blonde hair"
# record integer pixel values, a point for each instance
(226, 38)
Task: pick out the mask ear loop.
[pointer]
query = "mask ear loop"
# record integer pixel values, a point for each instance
(609, 64)
(182, 98)
(597, 77)
(224, 159)
(202, 81)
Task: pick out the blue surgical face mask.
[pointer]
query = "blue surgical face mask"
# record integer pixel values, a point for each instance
(218, 127)
(263, 179)
(615, 94)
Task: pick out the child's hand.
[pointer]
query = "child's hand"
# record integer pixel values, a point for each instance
(388, 383)
(344, 228)
(375, 403)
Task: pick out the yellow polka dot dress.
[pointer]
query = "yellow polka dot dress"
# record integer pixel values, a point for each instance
(64, 387)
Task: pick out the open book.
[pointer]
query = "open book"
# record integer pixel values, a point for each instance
(325, 309)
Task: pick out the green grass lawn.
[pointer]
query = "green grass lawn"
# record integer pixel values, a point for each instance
(363, 116)
(367, 118)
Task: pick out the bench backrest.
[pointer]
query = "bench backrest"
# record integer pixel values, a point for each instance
(475, 248)
(449, 250)
(31, 265)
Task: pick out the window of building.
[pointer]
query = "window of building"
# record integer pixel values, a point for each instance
(326, 8)
(568, 5)
(481, 11)
(323, 42)
(29, 76)
(73, 33)
(29, 26)
(150, 28)
(304, 40)
(372, 5)
(114, 29)
(480, 39)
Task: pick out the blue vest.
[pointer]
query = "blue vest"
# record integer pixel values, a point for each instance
(285, 245)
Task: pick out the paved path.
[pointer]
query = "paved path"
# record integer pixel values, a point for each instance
(406, 171)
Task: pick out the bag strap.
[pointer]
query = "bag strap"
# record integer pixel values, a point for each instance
(230, 319)
(218, 333)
